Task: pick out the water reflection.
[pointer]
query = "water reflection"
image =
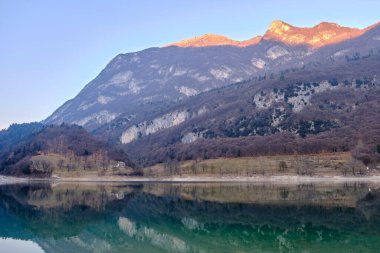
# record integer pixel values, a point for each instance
(192, 217)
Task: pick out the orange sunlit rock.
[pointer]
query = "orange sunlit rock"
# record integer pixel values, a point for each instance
(317, 36)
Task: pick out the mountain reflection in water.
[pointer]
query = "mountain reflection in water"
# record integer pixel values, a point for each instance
(185, 217)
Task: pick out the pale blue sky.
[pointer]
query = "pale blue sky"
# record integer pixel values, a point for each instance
(50, 49)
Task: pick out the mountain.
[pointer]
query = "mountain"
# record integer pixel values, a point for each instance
(57, 149)
(300, 89)
(209, 40)
(325, 108)
(137, 85)
(320, 35)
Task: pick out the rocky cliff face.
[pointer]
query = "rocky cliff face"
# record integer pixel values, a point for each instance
(146, 128)
(333, 105)
(269, 110)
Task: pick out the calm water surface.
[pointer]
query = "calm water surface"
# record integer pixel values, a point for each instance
(189, 218)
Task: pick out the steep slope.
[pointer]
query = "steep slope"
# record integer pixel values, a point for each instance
(316, 109)
(136, 86)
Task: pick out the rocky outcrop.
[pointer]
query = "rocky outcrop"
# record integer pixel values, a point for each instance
(151, 127)
(297, 96)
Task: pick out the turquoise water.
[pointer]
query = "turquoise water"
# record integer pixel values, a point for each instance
(189, 218)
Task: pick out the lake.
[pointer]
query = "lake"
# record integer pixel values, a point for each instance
(189, 217)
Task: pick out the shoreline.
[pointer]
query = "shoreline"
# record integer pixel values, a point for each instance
(194, 179)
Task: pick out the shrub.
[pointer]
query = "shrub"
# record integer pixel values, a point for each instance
(364, 154)
(282, 166)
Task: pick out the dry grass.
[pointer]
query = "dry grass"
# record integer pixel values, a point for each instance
(66, 167)
(327, 164)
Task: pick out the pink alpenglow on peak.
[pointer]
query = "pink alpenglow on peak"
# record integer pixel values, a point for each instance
(209, 40)
(320, 35)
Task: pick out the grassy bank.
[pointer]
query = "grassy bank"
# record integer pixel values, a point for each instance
(325, 164)
(284, 167)
(66, 166)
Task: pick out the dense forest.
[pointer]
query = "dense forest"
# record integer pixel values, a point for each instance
(17, 133)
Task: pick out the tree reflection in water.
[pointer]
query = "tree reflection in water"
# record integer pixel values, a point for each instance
(185, 217)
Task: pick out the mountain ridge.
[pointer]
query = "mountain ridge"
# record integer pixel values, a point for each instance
(209, 39)
(319, 35)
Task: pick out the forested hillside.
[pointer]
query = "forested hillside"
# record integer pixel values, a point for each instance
(62, 148)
